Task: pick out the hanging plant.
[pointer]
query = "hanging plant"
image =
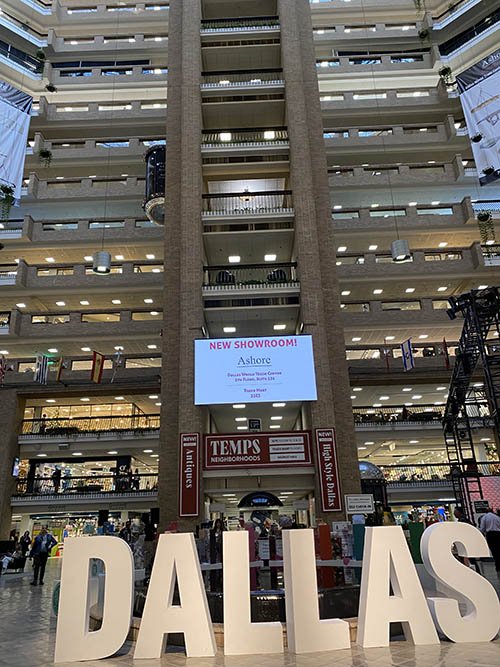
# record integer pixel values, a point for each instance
(486, 227)
(445, 74)
(45, 157)
(7, 199)
(424, 34)
(488, 171)
(51, 88)
(476, 138)
(40, 55)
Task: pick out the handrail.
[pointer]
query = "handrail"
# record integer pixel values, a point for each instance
(68, 485)
(65, 427)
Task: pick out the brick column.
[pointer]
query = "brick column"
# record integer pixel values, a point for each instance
(183, 305)
(315, 241)
(11, 414)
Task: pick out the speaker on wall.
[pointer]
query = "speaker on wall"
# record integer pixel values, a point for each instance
(103, 517)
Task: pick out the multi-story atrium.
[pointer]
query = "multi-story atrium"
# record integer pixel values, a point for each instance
(295, 157)
(205, 176)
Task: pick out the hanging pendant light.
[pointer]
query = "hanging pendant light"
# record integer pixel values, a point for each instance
(400, 251)
(101, 262)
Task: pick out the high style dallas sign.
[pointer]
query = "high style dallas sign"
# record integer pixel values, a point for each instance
(386, 562)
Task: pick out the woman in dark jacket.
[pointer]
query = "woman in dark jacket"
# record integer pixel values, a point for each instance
(216, 554)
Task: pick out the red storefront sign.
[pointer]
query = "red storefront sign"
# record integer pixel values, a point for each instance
(328, 471)
(260, 450)
(189, 474)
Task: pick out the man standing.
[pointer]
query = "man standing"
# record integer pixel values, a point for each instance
(490, 528)
(40, 552)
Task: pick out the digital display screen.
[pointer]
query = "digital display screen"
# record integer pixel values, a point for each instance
(254, 370)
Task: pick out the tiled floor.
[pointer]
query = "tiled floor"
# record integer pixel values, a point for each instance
(27, 635)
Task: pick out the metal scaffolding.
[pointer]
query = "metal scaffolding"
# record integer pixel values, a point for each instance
(479, 345)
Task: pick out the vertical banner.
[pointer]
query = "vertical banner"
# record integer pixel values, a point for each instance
(41, 368)
(15, 114)
(479, 88)
(328, 470)
(97, 367)
(407, 354)
(189, 474)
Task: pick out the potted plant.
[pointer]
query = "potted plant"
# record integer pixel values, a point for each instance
(40, 55)
(488, 171)
(7, 199)
(486, 227)
(45, 157)
(51, 88)
(424, 34)
(445, 74)
(476, 138)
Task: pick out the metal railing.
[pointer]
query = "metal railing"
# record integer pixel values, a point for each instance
(21, 58)
(248, 203)
(248, 275)
(491, 254)
(69, 485)
(432, 473)
(421, 414)
(66, 427)
(239, 24)
(241, 78)
(254, 137)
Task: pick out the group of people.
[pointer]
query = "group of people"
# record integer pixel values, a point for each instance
(38, 549)
(489, 525)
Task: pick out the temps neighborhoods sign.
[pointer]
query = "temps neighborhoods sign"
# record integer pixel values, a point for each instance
(253, 370)
(263, 450)
(387, 566)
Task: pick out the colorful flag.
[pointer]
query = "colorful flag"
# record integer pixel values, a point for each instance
(3, 368)
(446, 355)
(41, 368)
(60, 366)
(117, 362)
(97, 367)
(407, 353)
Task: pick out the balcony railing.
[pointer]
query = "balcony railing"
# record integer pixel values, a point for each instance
(89, 486)
(89, 426)
(240, 24)
(491, 254)
(434, 474)
(27, 62)
(247, 276)
(241, 78)
(245, 138)
(248, 203)
(416, 414)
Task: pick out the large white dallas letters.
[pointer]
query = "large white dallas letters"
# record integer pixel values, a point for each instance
(73, 640)
(241, 636)
(305, 631)
(481, 621)
(387, 562)
(176, 559)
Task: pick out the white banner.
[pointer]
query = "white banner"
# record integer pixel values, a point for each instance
(254, 370)
(15, 110)
(479, 88)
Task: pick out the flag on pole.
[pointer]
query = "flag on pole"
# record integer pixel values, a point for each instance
(60, 366)
(97, 367)
(407, 353)
(117, 362)
(3, 368)
(41, 368)
(446, 355)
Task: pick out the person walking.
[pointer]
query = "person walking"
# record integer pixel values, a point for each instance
(40, 552)
(56, 479)
(490, 528)
(25, 543)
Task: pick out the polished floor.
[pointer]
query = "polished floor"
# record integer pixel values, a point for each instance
(27, 636)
